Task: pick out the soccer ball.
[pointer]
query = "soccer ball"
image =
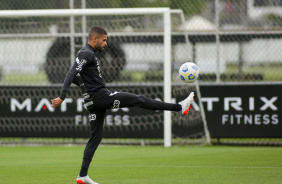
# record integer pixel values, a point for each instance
(189, 72)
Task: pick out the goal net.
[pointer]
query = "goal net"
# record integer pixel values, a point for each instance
(145, 49)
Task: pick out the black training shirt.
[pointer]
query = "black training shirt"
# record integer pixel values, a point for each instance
(85, 72)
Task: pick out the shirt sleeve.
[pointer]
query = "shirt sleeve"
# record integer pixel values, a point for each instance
(78, 65)
(75, 81)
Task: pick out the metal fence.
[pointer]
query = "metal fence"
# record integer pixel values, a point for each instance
(229, 40)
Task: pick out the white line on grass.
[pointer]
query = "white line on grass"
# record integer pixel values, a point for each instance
(157, 166)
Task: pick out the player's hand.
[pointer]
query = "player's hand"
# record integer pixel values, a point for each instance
(56, 102)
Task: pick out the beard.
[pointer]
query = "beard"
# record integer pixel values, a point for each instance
(101, 48)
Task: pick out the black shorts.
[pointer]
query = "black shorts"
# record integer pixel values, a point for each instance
(105, 99)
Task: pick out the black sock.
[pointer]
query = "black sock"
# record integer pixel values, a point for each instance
(83, 172)
(159, 105)
(84, 168)
(176, 107)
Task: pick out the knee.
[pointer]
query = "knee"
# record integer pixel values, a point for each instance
(96, 136)
(98, 141)
(142, 98)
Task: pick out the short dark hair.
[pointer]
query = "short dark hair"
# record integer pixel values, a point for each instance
(96, 31)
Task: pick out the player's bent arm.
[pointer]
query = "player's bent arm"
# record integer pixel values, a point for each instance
(67, 82)
(71, 75)
(79, 64)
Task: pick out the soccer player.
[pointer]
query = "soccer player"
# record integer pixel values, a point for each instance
(85, 73)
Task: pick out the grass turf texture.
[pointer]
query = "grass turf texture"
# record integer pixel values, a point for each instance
(130, 165)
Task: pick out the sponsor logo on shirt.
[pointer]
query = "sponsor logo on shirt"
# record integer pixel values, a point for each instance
(92, 117)
(80, 63)
(86, 95)
(116, 104)
(89, 103)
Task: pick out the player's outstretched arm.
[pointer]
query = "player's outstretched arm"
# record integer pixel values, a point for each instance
(56, 102)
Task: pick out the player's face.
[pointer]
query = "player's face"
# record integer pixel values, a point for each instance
(101, 42)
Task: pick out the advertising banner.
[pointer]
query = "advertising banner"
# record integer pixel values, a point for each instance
(250, 110)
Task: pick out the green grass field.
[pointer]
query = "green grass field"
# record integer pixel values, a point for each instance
(138, 165)
(269, 73)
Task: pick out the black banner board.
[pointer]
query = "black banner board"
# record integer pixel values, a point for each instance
(249, 110)
(232, 110)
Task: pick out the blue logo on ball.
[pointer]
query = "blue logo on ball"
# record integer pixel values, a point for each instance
(185, 68)
(191, 77)
(195, 67)
(182, 78)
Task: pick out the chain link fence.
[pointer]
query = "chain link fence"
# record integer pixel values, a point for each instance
(230, 41)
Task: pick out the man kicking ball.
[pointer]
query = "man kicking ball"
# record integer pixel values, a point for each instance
(86, 74)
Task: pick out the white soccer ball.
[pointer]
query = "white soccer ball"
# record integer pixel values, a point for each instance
(189, 72)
